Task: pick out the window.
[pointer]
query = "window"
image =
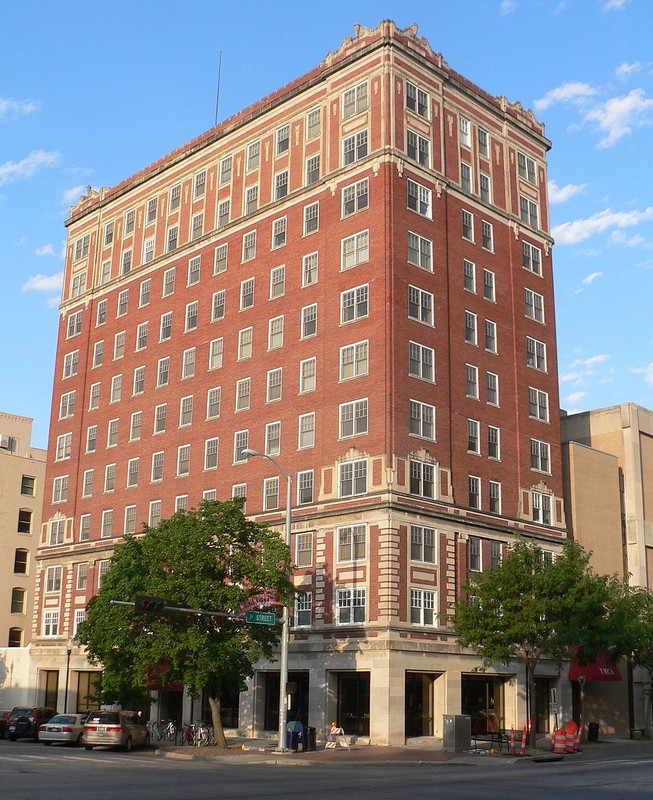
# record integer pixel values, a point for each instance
(245, 343)
(465, 129)
(420, 251)
(211, 453)
(246, 294)
(306, 429)
(253, 155)
(303, 609)
(422, 544)
(419, 198)
(421, 361)
(354, 303)
(60, 489)
(274, 380)
(526, 167)
(101, 317)
(155, 513)
(169, 281)
(94, 396)
(538, 404)
(471, 373)
(56, 536)
(220, 259)
(224, 210)
(78, 285)
(194, 268)
(355, 250)
(352, 478)
(467, 225)
(483, 143)
(487, 236)
(183, 459)
(540, 456)
(486, 188)
(135, 425)
(470, 328)
(82, 575)
(531, 258)
(354, 100)
(163, 371)
(353, 418)
(87, 483)
(270, 494)
(490, 336)
(74, 324)
(309, 321)
(422, 420)
(64, 445)
(191, 316)
(108, 233)
(528, 211)
(91, 438)
(67, 405)
(199, 184)
(281, 185)
(241, 443)
(493, 443)
(352, 543)
(417, 100)
(160, 415)
(354, 360)
(536, 354)
(240, 490)
(150, 214)
(141, 335)
(51, 623)
(84, 527)
(273, 438)
(465, 177)
(186, 410)
(82, 246)
(116, 388)
(112, 433)
(277, 282)
(213, 400)
(279, 229)
(218, 305)
(541, 505)
(283, 139)
(350, 605)
(305, 488)
(354, 147)
(243, 394)
(105, 273)
(355, 197)
(311, 218)
(119, 345)
(139, 380)
(225, 170)
(209, 494)
(109, 477)
(309, 269)
(474, 485)
(473, 432)
(533, 305)
(249, 246)
(70, 364)
(132, 472)
(307, 374)
(251, 199)
(157, 466)
(126, 264)
(53, 579)
(474, 553)
(494, 492)
(216, 347)
(171, 242)
(422, 479)
(130, 520)
(312, 170)
(275, 333)
(313, 123)
(166, 326)
(24, 521)
(422, 606)
(488, 285)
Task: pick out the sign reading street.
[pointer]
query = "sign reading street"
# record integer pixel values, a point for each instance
(261, 617)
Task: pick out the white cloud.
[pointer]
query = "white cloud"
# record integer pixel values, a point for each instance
(46, 250)
(575, 397)
(618, 115)
(588, 279)
(581, 229)
(590, 362)
(71, 196)
(572, 92)
(15, 108)
(626, 69)
(43, 283)
(563, 193)
(614, 5)
(507, 7)
(619, 237)
(13, 170)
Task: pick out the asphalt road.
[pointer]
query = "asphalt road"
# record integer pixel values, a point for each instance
(29, 770)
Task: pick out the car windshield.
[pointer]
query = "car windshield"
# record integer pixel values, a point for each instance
(103, 718)
(21, 712)
(61, 719)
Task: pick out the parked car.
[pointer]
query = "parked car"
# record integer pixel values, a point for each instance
(4, 716)
(24, 721)
(66, 728)
(123, 729)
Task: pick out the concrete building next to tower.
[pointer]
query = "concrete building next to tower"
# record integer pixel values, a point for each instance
(354, 277)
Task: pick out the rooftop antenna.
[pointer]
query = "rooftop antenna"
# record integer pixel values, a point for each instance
(217, 91)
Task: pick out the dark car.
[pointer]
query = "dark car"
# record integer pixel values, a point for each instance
(24, 721)
(4, 716)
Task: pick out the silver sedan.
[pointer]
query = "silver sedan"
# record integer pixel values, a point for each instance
(65, 728)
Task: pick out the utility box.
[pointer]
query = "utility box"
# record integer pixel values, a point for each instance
(457, 732)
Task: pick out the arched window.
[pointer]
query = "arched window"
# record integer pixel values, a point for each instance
(18, 600)
(21, 561)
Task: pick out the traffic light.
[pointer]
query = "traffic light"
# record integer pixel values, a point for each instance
(149, 605)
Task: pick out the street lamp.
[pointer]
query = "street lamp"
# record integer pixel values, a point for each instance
(69, 650)
(285, 619)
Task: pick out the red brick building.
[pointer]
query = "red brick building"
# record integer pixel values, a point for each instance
(353, 276)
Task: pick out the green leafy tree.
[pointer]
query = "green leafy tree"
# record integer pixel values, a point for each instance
(212, 559)
(643, 650)
(530, 607)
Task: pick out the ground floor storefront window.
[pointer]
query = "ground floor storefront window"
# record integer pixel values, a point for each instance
(483, 700)
(419, 704)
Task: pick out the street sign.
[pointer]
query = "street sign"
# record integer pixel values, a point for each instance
(261, 617)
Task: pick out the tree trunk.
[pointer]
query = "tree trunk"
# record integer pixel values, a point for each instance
(220, 738)
(582, 680)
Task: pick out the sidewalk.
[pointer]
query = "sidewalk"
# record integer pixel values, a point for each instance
(416, 752)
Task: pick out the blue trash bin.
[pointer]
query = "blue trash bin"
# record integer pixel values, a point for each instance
(294, 736)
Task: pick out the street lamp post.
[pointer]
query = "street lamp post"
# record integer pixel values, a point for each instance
(69, 650)
(285, 619)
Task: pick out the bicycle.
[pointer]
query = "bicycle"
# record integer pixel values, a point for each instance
(204, 735)
(165, 728)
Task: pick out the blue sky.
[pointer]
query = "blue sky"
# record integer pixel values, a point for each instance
(92, 92)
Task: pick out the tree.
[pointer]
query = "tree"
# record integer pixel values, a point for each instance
(643, 649)
(529, 607)
(212, 559)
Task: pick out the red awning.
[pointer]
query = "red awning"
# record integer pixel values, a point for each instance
(600, 670)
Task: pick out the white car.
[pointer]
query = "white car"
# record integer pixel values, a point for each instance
(65, 728)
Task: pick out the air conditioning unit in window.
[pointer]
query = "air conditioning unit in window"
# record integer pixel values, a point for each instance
(7, 442)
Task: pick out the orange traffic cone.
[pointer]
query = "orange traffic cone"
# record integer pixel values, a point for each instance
(559, 741)
(577, 739)
(512, 741)
(522, 749)
(570, 736)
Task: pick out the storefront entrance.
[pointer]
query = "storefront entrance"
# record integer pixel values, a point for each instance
(298, 699)
(354, 703)
(419, 704)
(483, 700)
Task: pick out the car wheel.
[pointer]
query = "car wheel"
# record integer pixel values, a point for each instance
(128, 745)
(89, 746)
(12, 738)
(80, 740)
(47, 744)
